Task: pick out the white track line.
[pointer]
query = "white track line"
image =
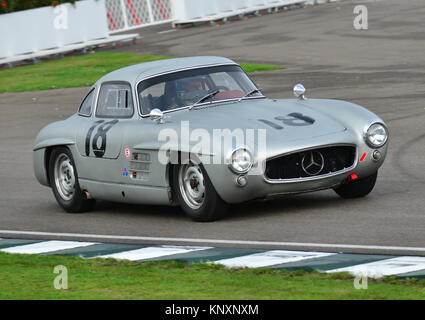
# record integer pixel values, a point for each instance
(46, 246)
(270, 258)
(212, 241)
(167, 31)
(152, 252)
(386, 267)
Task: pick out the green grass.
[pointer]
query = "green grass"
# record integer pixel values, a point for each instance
(32, 277)
(79, 71)
(250, 67)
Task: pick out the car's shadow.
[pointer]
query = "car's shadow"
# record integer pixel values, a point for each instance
(256, 209)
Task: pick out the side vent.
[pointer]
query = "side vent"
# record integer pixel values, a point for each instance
(140, 164)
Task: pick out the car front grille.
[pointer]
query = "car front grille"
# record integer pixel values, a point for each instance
(310, 163)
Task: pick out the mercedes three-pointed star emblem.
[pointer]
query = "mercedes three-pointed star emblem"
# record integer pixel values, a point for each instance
(312, 163)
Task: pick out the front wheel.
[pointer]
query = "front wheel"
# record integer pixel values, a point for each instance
(196, 194)
(64, 182)
(357, 188)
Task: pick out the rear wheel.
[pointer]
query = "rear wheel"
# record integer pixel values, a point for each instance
(196, 194)
(357, 188)
(64, 182)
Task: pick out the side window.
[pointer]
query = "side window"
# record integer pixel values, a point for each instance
(153, 97)
(86, 105)
(115, 101)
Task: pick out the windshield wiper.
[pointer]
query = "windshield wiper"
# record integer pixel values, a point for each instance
(209, 95)
(252, 92)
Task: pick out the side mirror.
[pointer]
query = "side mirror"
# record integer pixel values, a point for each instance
(299, 91)
(156, 115)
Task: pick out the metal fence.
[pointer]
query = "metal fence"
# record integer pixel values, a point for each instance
(130, 14)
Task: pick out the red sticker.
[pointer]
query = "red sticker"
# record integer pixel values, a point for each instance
(127, 152)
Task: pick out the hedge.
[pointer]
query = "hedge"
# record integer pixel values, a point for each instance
(7, 6)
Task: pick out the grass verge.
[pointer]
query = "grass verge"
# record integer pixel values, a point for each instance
(80, 71)
(32, 277)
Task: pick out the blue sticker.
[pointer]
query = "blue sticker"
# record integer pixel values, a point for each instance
(125, 172)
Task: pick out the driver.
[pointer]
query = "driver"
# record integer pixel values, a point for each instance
(194, 84)
(192, 89)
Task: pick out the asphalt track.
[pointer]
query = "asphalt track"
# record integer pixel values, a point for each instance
(382, 68)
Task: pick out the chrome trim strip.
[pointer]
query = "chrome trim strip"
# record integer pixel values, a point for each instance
(274, 195)
(313, 178)
(140, 161)
(205, 104)
(139, 170)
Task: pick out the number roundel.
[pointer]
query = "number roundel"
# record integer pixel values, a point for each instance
(103, 128)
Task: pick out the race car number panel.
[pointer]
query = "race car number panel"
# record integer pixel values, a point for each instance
(100, 139)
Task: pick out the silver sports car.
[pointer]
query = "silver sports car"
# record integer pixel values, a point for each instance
(197, 132)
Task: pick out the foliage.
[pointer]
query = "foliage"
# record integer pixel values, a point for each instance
(7, 6)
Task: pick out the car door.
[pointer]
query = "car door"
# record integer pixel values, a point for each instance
(99, 137)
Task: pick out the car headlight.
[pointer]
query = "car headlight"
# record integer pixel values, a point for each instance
(240, 160)
(376, 135)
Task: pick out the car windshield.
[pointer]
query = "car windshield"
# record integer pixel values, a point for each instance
(185, 88)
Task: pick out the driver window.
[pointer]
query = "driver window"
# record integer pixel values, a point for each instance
(153, 97)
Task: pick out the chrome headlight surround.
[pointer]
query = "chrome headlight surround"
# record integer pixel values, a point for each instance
(240, 160)
(372, 130)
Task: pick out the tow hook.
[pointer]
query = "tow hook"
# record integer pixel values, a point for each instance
(351, 177)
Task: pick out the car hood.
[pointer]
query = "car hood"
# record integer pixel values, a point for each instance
(272, 115)
(256, 114)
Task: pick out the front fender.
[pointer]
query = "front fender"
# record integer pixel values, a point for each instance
(53, 142)
(40, 157)
(55, 134)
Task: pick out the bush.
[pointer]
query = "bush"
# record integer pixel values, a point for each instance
(7, 6)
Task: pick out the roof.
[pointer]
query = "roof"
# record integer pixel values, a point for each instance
(144, 70)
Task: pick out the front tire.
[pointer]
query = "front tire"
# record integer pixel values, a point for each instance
(196, 194)
(357, 188)
(64, 182)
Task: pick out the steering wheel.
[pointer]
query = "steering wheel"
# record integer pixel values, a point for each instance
(218, 88)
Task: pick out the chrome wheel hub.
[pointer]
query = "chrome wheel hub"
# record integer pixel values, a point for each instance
(64, 177)
(192, 185)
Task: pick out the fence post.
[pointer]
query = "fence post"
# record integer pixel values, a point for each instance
(150, 10)
(124, 14)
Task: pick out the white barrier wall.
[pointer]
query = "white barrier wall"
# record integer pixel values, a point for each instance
(187, 10)
(51, 27)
